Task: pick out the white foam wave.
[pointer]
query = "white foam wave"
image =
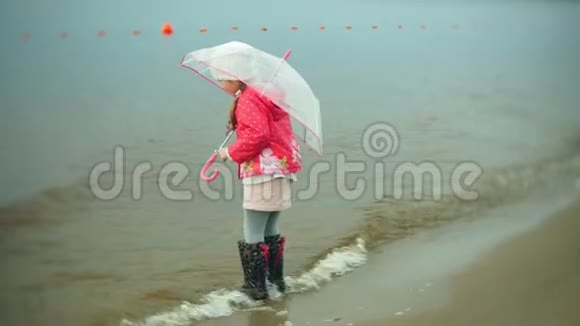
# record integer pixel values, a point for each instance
(222, 303)
(218, 303)
(338, 262)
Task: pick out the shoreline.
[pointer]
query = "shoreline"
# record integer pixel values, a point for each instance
(461, 274)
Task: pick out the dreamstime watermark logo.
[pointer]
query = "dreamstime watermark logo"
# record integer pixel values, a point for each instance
(379, 141)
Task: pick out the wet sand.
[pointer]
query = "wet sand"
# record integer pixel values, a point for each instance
(515, 266)
(532, 279)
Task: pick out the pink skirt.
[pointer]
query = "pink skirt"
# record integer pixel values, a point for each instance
(274, 195)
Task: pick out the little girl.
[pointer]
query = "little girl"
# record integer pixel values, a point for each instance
(268, 158)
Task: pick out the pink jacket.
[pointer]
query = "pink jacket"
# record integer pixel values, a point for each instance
(265, 142)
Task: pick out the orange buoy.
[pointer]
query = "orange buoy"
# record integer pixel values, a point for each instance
(167, 29)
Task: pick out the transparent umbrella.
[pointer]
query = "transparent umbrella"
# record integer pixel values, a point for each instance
(270, 75)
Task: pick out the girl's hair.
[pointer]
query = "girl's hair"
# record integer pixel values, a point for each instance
(232, 113)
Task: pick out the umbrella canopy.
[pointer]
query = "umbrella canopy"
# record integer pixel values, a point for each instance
(270, 75)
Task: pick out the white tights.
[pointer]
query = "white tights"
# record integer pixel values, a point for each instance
(258, 224)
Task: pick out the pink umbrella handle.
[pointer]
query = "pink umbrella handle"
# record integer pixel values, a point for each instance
(203, 174)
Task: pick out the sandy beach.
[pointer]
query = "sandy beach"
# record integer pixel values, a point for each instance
(532, 279)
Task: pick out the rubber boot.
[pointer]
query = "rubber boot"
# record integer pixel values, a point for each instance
(276, 262)
(254, 259)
